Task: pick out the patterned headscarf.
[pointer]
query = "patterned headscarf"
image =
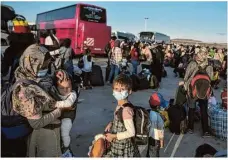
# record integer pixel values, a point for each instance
(31, 61)
(202, 57)
(30, 100)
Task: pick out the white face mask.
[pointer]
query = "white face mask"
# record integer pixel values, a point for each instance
(42, 73)
(120, 95)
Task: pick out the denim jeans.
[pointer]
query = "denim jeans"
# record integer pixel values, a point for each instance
(135, 64)
(114, 71)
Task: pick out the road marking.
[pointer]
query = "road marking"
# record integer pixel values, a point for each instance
(177, 145)
(169, 142)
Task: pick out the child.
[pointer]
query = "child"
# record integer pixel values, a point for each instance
(121, 133)
(156, 139)
(87, 69)
(69, 99)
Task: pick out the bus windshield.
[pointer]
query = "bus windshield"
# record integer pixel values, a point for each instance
(146, 35)
(92, 14)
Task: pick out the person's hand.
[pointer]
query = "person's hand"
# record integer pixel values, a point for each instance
(110, 137)
(108, 127)
(181, 83)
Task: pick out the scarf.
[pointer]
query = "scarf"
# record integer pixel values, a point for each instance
(30, 100)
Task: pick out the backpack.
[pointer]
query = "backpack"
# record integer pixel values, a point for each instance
(20, 24)
(13, 124)
(154, 82)
(177, 116)
(200, 86)
(141, 121)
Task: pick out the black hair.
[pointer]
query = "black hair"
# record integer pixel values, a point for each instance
(205, 149)
(66, 42)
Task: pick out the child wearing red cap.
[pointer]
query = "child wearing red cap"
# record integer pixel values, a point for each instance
(156, 139)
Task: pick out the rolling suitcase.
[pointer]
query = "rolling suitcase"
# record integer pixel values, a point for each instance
(96, 76)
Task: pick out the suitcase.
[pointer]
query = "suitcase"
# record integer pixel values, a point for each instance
(96, 76)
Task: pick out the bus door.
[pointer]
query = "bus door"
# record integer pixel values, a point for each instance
(96, 37)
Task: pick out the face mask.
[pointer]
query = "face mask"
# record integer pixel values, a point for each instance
(120, 95)
(42, 73)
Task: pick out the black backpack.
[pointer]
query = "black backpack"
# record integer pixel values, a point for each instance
(141, 121)
(177, 116)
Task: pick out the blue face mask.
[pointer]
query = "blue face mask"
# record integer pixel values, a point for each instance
(120, 95)
(42, 73)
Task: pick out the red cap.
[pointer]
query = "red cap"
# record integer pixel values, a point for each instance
(154, 100)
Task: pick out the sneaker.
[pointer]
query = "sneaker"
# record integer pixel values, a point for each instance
(206, 134)
(190, 131)
(108, 83)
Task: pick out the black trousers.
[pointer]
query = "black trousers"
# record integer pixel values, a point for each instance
(86, 78)
(157, 70)
(203, 104)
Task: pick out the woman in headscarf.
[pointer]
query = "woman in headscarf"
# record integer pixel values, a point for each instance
(33, 102)
(192, 68)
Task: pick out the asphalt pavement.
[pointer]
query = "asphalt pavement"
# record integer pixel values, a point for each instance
(97, 108)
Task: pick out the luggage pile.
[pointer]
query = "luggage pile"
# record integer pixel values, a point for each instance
(218, 121)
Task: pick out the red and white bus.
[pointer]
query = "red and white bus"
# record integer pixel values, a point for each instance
(82, 23)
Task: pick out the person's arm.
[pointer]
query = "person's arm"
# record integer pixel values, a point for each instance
(190, 69)
(128, 123)
(39, 121)
(68, 102)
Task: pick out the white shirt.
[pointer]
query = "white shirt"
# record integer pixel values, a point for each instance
(67, 101)
(87, 65)
(48, 42)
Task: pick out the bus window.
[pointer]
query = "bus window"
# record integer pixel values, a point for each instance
(59, 14)
(92, 14)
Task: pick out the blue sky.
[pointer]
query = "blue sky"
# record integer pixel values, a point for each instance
(206, 21)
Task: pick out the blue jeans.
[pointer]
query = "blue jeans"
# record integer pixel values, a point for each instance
(135, 65)
(114, 71)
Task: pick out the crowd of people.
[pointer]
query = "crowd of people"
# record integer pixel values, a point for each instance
(43, 94)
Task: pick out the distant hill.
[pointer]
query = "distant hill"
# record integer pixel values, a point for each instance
(185, 40)
(193, 42)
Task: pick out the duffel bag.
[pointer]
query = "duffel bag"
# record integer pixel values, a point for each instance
(218, 121)
(143, 83)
